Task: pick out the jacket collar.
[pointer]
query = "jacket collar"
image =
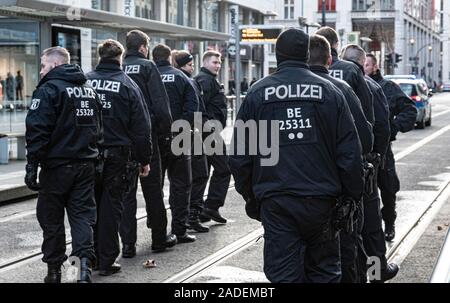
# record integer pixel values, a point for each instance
(206, 71)
(135, 53)
(108, 64)
(162, 63)
(319, 69)
(292, 63)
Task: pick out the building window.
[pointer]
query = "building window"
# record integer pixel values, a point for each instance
(289, 9)
(145, 9)
(103, 5)
(330, 5)
(210, 16)
(377, 5)
(172, 11)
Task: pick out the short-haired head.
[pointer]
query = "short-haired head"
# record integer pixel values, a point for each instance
(212, 61)
(111, 50)
(331, 35)
(53, 57)
(161, 52)
(319, 51)
(355, 53)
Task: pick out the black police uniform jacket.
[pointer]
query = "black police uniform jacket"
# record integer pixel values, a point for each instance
(147, 77)
(182, 96)
(199, 93)
(64, 121)
(126, 121)
(213, 95)
(403, 112)
(350, 73)
(319, 148)
(381, 129)
(362, 125)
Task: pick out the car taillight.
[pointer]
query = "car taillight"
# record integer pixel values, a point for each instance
(416, 98)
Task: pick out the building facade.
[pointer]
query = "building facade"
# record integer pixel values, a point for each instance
(412, 29)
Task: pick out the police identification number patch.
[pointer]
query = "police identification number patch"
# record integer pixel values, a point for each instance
(296, 124)
(84, 112)
(35, 104)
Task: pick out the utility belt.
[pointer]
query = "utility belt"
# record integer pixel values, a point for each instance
(120, 154)
(116, 152)
(343, 218)
(372, 163)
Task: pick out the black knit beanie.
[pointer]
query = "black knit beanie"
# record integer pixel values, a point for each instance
(184, 59)
(292, 44)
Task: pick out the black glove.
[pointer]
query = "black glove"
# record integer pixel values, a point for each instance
(253, 209)
(31, 177)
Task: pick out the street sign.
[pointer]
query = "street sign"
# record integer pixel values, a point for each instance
(259, 34)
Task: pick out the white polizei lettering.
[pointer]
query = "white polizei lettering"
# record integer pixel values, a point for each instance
(269, 91)
(105, 85)
(132, 69)
(279, 96)
(80, 92)
(168, 78)
(337, 73)
(316, 91)
(293, 94)
(305, 90)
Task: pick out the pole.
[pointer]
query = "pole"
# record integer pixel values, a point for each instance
(237, 77)
(323, 13)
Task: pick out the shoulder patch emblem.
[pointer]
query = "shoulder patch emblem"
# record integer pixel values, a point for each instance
(35, 104)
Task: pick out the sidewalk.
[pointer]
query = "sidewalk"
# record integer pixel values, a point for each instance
(12, 174)
(12, 185)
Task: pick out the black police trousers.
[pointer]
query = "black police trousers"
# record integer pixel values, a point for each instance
(220, 180)
(389, 185)
(200, 176)
(110, 192)
(351, 246)
(300, 245)
(372, 233)
(154, 203)
(70, 187)
(179, 173)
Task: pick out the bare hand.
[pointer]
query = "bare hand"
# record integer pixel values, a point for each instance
(143, 171)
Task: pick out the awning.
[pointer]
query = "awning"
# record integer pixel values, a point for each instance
(92, 18)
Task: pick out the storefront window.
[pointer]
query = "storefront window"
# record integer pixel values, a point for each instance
(98, 36)
(19, 71)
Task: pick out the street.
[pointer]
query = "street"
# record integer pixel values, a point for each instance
(233, 252)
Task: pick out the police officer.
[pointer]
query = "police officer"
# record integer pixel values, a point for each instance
(216, 107)
(403, 115)
(147, 77)
(183, 105)
(372, 231)
(349, 72)
(319, 161)
(320, 60)
(63, 128)
(126, 134)
(183, 60)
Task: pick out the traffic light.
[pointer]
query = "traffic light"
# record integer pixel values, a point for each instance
(398, 58)
(388, 59)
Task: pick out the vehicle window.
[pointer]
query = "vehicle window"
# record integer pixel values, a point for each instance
(409, 89)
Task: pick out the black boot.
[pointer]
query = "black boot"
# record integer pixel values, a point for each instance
(85, 271)
(53, 274)
(194, 223)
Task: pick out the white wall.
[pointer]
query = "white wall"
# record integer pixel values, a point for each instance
(446, 39)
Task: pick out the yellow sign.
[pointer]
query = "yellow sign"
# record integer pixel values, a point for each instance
(253, 35)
